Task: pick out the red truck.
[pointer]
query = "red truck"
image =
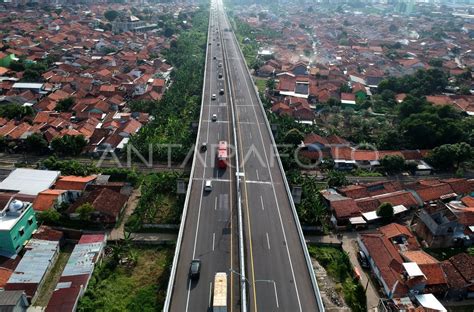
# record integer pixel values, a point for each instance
(222, 155)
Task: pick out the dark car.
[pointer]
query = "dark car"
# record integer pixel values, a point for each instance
(203, 147)
(195, 269)
(220, 75)
(221, 91)
(364, 262)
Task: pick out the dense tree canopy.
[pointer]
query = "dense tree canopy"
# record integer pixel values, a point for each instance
(393, 163)
(423, 82)
(449, 156)
(69, 145)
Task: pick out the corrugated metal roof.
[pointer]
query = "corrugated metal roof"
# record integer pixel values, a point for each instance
(82, 259)
(35, 263)
(29, 181)
(27, 85)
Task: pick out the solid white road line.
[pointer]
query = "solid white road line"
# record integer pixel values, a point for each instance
(268, 241)
(276, 294)
(213, 240)
(215, 204)
(210, 293)
(261, 200)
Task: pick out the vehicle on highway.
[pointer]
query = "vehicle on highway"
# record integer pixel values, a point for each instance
(222, 155)
(213, 96)
(214, 58)
(219, 298)
(220, 65)
(208, 185)
(195, 269)
(220, 75)
(221, 91)
(203, 147)
(364, 262)
(214, 117)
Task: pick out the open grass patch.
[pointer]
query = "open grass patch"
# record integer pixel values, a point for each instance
(261, 84)
(338, 266)
(52, 279)
(141, 287)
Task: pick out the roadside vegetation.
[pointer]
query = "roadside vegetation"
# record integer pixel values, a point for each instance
(130, 278)
(339, 268)
(179, 107)
(159, 202)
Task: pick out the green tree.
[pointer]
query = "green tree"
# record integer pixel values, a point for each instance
(385, 211)
(69, 145)
(111, 15)
(345, 88)
(65, 105)
(32, 75)
(336, 178)
(436, 62)
(50, 216)
(270, 84)
(36, 144)
(393, 163)
(15, 111)
(85, 211)
(448, 156)
(294, 137)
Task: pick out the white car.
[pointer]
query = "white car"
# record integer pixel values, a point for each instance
(208, 186)
(214, 117)
(213, 96)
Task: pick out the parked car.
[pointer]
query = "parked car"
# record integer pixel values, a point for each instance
(195, 269)
(364, 262)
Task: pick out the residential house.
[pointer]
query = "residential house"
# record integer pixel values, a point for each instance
(29, 181)
(17, 224)
(459, 271)
(399, 264)
(29, 278)
(77, 273)
(443, 225)
(108, 205)
(14, 301)
(50, 199)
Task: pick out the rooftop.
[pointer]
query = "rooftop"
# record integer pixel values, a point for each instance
(29, 181)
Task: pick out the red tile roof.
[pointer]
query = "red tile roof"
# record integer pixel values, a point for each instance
(46, 199)
(346, 208)
(435, 192)
(4, 276)
(75, 183)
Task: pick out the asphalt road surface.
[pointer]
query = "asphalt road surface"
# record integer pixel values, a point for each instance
(277, 275)
(279, 279)
(210, 229)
